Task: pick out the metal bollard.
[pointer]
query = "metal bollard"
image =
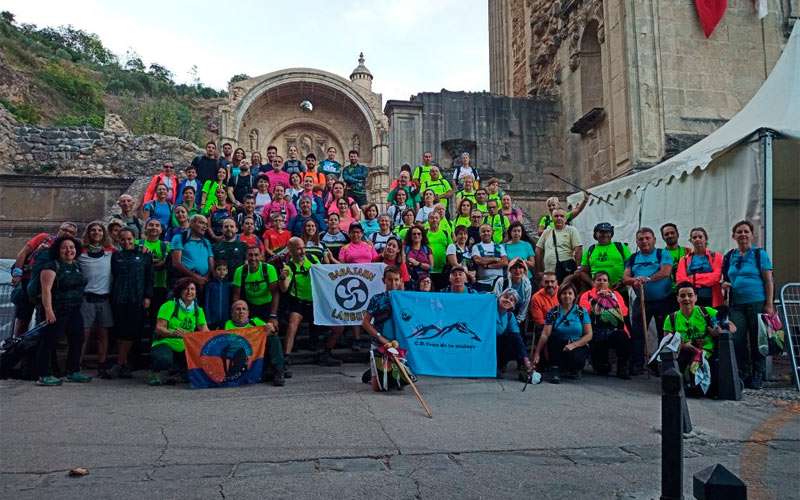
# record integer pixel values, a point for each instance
(671, 434)
(718, 483)
(728, 384)
(670, 360)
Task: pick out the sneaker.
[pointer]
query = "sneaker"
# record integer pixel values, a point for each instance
(278, 378)
(49, 381)
(555, 376)
(78, 378)
(327, 359)
(125, 372)
(103, 374)
(114, 371)
(154, 379)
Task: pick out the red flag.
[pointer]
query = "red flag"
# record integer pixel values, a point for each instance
(710, 13)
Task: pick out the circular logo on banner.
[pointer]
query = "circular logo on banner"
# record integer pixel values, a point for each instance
(351, 293)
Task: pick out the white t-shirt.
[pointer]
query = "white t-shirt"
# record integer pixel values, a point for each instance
(261, 200)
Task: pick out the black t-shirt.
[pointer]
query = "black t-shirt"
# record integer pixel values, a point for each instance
(206, 168)
(242, 185)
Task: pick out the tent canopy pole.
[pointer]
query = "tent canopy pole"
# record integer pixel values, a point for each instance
(767, 138)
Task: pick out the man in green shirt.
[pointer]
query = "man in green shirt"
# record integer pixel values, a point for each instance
(606, 255)
(295, 285)
(273, 361)
(231, 249)
(423, 172)
(670, 235)
(256, 283)
(439, 185)
(497, 220)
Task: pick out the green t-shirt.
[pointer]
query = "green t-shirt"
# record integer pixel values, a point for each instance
(547, 221)
(694, 327)
(191, 211)
(462, 220)
(677, 254)
(499, 223)
(439, 186)
(230, 325)
(256, 290)
(160, 276)
(438, 242)
(607, 258)
(422, 174)
(210, 189)
(188, 320)
(300, 279)
(401, 231)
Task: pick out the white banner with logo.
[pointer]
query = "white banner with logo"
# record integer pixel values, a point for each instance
(341, 292)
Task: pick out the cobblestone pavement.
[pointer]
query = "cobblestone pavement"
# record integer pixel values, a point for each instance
(327, 435)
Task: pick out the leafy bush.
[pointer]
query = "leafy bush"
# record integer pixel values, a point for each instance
(24, 112)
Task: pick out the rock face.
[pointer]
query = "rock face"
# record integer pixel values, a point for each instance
(114, 123)
(86, 151)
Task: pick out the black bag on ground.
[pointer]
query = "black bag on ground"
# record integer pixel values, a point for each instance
(20, 350)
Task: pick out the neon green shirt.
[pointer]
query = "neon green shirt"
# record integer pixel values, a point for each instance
(256, 290)
(300, 279)
(438, 242)
(695, 327)
(230, 325)
(606, 258)
(185, 319)
(160, 276)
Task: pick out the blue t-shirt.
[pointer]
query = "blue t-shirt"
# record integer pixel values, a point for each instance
(195, 253)
(643, 264)
(745, 279)
(160, 210)
(380, 308)
(700, 264)
(568, 325)
(521, 249)
(506, 323)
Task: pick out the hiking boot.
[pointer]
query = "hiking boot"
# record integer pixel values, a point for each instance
(327, 359)
(78, 378)
(287, 372)
(154, 379)
(48, 381)
(278, 378)
(125, 372)
(555, 375)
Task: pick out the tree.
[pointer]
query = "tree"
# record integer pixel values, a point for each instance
(133, 62)
(160, 73)
(7, 17)
(238, 78)
(194, 76)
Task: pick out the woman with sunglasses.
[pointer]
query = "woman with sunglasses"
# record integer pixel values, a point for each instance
(418, 254)
(166, 177)
(566, 334)
(747, 278)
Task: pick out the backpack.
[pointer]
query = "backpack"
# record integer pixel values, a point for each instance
(726, 262)
(176, 309)
(458, 172)
(632, 260)
(295, 271)
(245, 272)
(563, 318)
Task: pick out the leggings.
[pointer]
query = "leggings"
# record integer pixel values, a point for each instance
(69, 322)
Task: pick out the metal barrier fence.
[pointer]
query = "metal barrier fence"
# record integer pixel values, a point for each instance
(790, 303)
(6, 311)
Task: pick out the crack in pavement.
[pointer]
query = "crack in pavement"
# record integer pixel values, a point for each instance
(380, 424)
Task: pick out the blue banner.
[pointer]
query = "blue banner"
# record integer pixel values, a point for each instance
(447, 334)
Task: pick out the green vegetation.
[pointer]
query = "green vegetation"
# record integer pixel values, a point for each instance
(74, 77)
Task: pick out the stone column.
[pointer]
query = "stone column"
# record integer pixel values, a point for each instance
(500, 65)
(378, 182)
(405, 133)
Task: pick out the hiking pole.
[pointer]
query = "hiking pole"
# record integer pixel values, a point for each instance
(411, 383)
(644, 324)
(580, 188)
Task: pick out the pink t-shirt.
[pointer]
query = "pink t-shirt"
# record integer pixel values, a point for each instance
(276, 178)
(283, 207)
(357, 253)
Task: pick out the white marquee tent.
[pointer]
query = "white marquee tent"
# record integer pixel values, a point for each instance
(748, 169)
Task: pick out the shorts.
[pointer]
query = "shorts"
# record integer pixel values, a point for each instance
(129, 321)
(261, 311)
(301, 307)
(97, 314)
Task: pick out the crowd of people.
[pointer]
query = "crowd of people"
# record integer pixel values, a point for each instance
(229, 242)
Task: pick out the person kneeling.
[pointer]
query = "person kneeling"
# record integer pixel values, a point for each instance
(509, 339)
(274, 365)
(698, 329)
(383, 373)
(176, 318)
(567, 331)
(608, 312)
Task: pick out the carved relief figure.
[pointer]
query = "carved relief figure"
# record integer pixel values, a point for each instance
(254, 140)
(355, 142)
(306, 145)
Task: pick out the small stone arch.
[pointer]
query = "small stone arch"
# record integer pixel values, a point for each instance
(591, 68)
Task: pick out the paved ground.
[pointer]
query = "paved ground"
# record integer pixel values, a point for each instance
(327, 435)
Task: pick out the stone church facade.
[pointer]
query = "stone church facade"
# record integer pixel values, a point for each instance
(636, 80)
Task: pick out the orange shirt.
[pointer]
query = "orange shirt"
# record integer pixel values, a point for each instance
(276, 240)
(540, 304)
